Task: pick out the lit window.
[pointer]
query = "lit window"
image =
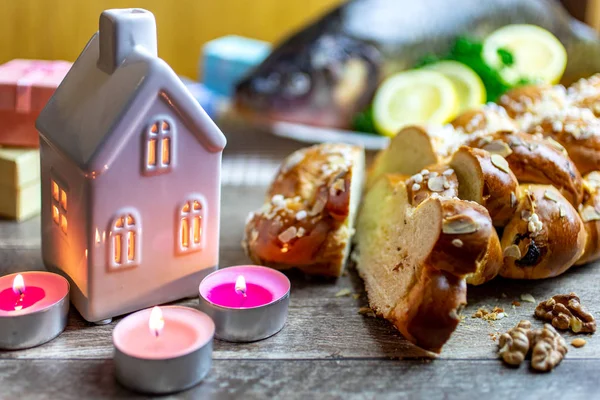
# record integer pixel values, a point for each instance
(191, 226)
(159, 147)
(59, 205)
(125, 243)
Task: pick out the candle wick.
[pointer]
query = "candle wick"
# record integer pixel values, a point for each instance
(156, 333)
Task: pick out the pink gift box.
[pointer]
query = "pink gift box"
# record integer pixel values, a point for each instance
(25, 87)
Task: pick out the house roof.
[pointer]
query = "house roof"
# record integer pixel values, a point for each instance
(93, 108)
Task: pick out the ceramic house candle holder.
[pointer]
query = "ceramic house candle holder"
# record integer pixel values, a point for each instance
(130, 174)
(25, 87)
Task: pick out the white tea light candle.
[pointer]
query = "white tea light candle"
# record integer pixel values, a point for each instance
(163, 350)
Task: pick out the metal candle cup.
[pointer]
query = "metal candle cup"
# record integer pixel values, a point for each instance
(163, 350)
(33, 308)
(246, 316)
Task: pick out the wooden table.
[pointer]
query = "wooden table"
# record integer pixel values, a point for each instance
(326, 350)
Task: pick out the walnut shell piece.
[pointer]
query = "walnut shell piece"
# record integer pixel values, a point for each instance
(549, 348)
(565, 311)
(514, 344)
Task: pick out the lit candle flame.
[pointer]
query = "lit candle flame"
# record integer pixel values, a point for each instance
(156, 322)
(240, 285)
(19, 285)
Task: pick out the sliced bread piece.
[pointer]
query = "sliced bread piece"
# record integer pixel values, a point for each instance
(308, 219)
(414, 260)
(411, 150)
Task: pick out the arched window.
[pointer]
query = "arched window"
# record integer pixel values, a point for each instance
(59, 205)
(125, 242)
(190, 235)
(159, 139)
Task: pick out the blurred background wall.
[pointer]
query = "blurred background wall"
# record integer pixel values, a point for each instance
(58, 29)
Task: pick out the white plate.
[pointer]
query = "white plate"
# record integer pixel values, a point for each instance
(314, 134)
(306, 133)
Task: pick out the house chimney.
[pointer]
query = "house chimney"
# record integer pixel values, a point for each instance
(120, 31)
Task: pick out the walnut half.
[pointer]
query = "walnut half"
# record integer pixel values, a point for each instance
(565, 311)
(514, 344)
(549, 348)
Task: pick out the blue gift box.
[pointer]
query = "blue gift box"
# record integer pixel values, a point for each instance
(228, 59)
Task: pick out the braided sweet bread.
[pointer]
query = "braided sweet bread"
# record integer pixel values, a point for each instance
(498, 191)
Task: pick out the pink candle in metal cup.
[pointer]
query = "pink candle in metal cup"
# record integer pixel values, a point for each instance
(247, 302)
(163, 349)
(33, 308)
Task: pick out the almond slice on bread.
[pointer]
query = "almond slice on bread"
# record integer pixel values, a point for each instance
(308, 219)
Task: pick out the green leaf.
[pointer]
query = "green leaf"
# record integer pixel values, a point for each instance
(363, 121)
(506, 57)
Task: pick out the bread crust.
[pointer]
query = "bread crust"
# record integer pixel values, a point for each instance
(531, 99)
(535, 159)
(590, 215)
(585, 93)
(439, 179)
(544, 238)
(430, 312)
(476, 255)
(483, 120)
(304, 223)
(578, 130)
(496, 188)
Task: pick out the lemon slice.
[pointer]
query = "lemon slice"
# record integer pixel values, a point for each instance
(467, 84)
(413, 97)
(537, 54)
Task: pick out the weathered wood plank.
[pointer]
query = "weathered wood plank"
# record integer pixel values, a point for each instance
(321, 325)
(285, 379)
(332, 324)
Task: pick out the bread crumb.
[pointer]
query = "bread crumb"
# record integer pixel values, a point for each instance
(366, 311)
(480, 313)
(343, 292)
(578, 342)
(516, 303)
(526, 297)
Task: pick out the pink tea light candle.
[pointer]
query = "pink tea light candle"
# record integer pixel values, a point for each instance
(33, 308)
(163, 349)
(246, 302)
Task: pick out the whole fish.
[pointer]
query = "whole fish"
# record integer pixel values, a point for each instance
(326, 73)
